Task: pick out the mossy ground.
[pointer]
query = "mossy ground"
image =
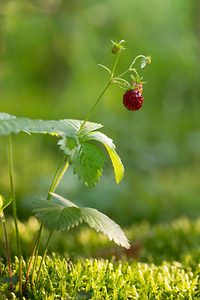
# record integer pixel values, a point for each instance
(163, 263)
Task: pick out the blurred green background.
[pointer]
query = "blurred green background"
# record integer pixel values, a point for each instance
(49, 51)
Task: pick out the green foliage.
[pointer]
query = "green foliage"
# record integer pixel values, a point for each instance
(11, 124)
(88, 162)
(108, 143)
(87, 159)
(62, 214)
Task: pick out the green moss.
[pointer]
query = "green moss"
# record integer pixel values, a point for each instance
(168, 264)
(104, 279)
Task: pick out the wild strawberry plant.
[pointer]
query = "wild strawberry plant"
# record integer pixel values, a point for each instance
(75, 139)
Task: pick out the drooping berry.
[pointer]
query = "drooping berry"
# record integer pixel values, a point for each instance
(132, 100)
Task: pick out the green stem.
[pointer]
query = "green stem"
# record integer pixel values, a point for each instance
(131, 65)
(49, 198)
(58, 180)
(114, 67)
(30, 263)
(44, 255)
(15, 212)
(103, 92)
(3, 221)
(133, 62)
(35, 252)
(122, 81)
(134, 70)
(54, 184)
(91, 111)
(54, 178)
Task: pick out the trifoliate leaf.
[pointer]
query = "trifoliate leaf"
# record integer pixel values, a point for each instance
(88, 162)
(87, 159)
(108, 143)
(62, 214)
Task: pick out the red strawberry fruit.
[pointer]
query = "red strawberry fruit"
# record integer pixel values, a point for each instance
(132, 100)
(138, 86)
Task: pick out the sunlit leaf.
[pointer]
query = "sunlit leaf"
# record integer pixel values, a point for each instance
(100, 137)
(108, 143)
(101, 223)
(88, 162)
(67, 127)
(117, 164)
(62, 214)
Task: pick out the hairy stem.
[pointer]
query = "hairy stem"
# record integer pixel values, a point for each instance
(3, 221)
(103, 92)
(133, 62)
(115, 65)
(131, 66)
(51, 189)
(91, 111)
(59, 177)
(14, 209)
(56, 179)
(44, 255)
(30, 263)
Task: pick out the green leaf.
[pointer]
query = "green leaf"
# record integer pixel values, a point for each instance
(57, 215)
(108, 143)
(101, 223)
(67, 127)
(10, 124)
(4, 202)
(100, 137)
(88, 127)
(117, 164)
(68, 145)
(5, 116)
(88, 162)
(62, 214)
(76, 125)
